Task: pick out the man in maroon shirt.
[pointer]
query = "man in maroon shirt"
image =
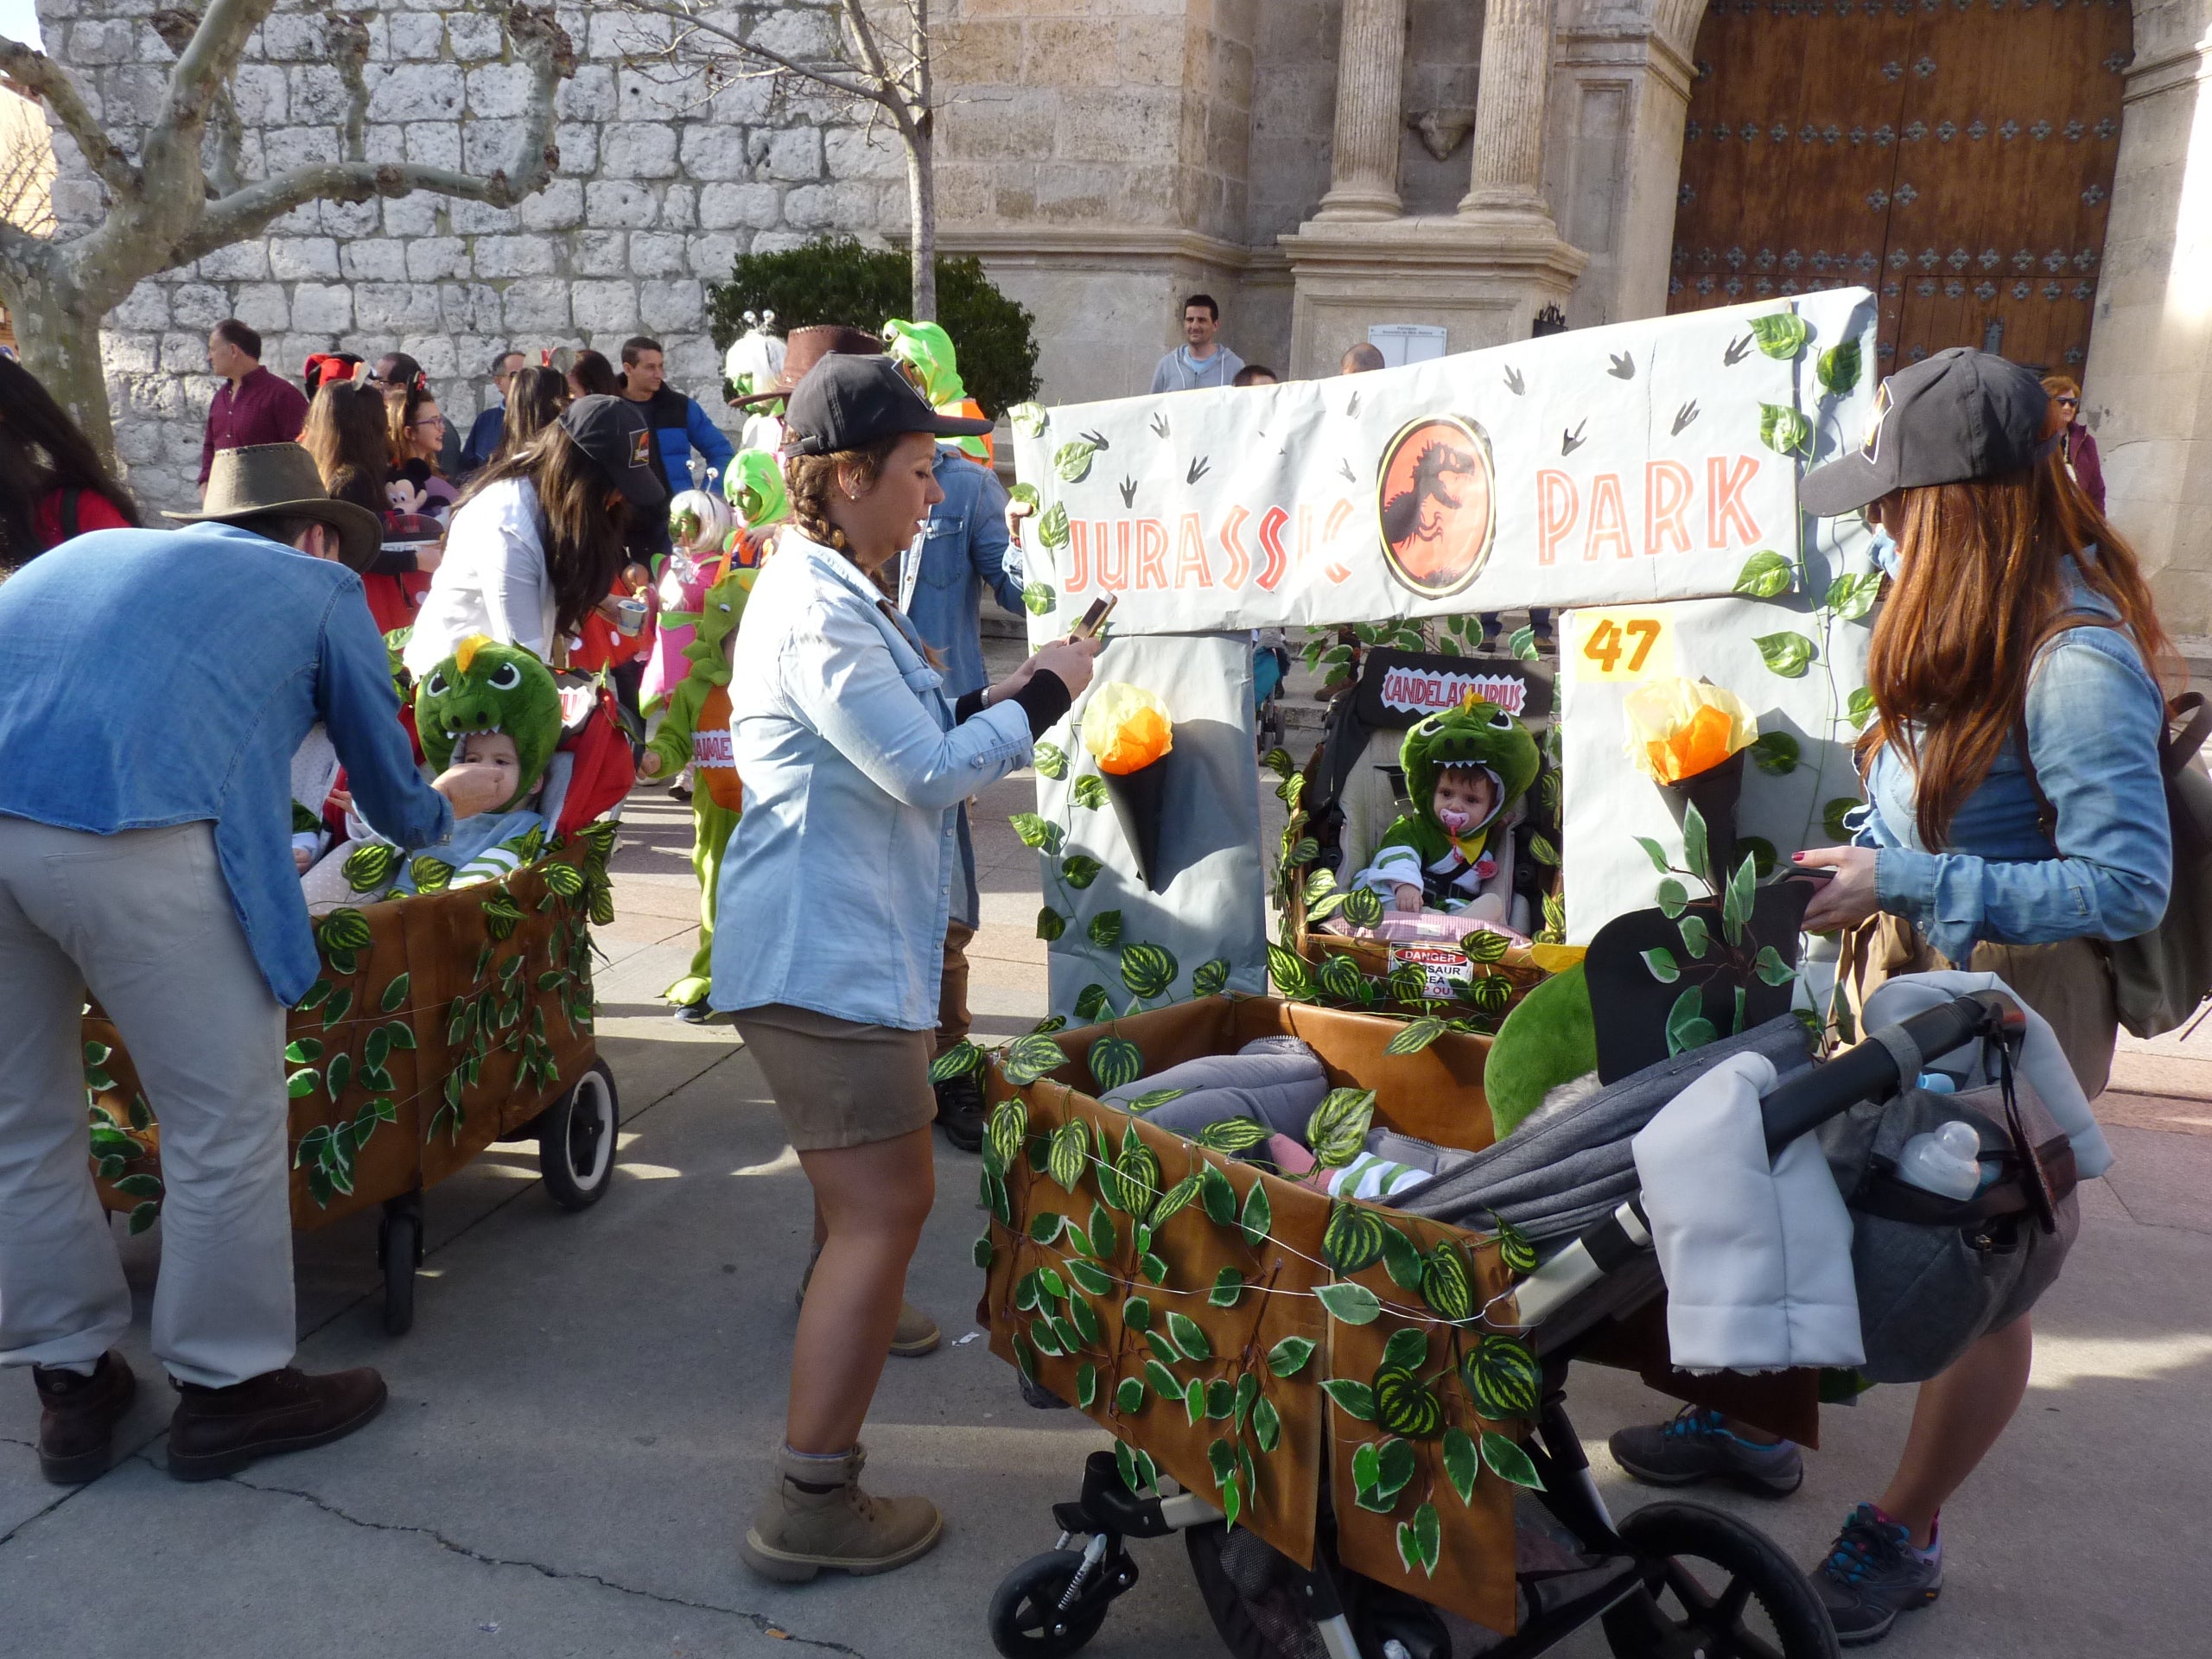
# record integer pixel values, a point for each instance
(252, 406)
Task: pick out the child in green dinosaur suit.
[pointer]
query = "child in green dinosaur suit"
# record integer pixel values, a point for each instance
(1466, 768)
(694, 716)
(487, 704)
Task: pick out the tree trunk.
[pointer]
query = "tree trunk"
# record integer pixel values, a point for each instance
(58, 335)
(921, 213)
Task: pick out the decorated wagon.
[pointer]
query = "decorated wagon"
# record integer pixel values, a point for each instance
(440, 1023)
(1338, 1401)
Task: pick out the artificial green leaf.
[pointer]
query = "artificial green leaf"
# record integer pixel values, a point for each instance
(1402, 1257)
(1209, 978)
(338, 1076)
(1686, 1026)
(1654, 852)
(1215, 1192)
(1220, 1398)
(1765, 575)
(1257, 1215)
(1147, 969)
(1508, 1462)
(1188, 1336)
(336, 1006)
(1050, 760)
(1289, 973)
(1838, 366)
(1776, 752)
(1522, 643)
(985, 1253)
(1051, 923)
(1832, 816)
(1366, 1470)
(1781, 335)
(1660, 964)
(1091, 1277)
(1697, 938)
(1173, 1201)
(1407, 1348)
(1428, 1537)
(306, 1050)
(1046, 1225)
(1129, 1397)
(1154, 1267)
(1234, 1135)
(1038, 598)
(1267, 1424)
(1695, 848)
(1352, 1241)
(1136, 1313)
(1228, 1288)
(1069, 1154)
(1859, 707)
(1071, 460)
(1086, 1386)
(1030, 1057)
(1053, 527)
(1673, 897)
(139, 1187)
(1028, 420)
(957, 1061)
(1289, 1356)
(1445, 1284)
(1088, 792)
(1415, 1035)
(1502, 1376)
(1786, 653)
(1350, 1304)
(395, 994)
(1462, 1463)
(1737, 901)
(1395, 1464)
(1033, 830)
(1783, 430)
(1091, 1002)
(1085, 1318)
(143, 1215)
(1165, 1383)
(1770, 967)
(1353, 1399)
(1115, 1061)
(1764, 860)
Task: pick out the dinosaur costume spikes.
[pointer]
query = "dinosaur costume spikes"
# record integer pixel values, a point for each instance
(486, 687)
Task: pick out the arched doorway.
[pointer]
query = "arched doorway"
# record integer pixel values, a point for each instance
(1955, 154)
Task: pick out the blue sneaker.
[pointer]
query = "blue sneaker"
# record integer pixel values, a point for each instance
(1696, 1445)
(1873, 1574)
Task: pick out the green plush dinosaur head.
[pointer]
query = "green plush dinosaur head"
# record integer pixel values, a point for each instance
(720, 609)
(1474, 733)
(753, 484)
(926, 349)
(485, 687)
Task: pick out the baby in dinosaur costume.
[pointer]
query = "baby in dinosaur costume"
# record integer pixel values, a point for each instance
(694, 715)
(487, 704)
(1465, 769)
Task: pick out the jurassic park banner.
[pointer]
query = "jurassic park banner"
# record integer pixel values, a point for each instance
(1646, 461)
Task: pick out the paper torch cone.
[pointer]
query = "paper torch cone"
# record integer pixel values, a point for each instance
(1136, 797)
(1714, 792)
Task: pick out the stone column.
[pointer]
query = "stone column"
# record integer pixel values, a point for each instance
(1510, 97)
(1370, 74)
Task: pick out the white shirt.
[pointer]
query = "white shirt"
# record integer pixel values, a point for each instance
(492, 580)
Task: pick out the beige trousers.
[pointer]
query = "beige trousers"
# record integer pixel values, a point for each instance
(144, 920)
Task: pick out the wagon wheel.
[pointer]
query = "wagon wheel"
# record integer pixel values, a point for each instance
(1714, 1587)
(575, 1141)
(399, 1252)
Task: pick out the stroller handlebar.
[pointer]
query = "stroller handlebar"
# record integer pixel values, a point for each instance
(1885, 1061)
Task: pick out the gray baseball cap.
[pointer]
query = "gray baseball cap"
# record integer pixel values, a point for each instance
(1960, 415)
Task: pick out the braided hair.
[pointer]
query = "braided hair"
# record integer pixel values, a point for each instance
(811, 479)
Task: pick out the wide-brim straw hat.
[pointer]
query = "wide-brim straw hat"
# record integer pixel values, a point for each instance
(804, 348)
(249, 486)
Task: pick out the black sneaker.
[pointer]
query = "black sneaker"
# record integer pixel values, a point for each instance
(1873, 1574)
(961, 1109)
(1695, 1447)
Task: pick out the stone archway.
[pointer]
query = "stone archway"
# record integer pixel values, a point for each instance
(1958, 155)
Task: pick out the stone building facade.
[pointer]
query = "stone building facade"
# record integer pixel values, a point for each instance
(1317, 165)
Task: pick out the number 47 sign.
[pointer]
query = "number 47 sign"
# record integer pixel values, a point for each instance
(1622, 645)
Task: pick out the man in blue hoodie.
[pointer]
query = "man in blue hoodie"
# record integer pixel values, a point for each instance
(679, 424)
(147, 729)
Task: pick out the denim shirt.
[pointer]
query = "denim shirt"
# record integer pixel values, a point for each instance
(961, 552)
(2094, 717)
(838, 878)
(156, 677)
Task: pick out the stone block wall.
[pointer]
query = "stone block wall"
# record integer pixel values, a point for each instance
(663, 182)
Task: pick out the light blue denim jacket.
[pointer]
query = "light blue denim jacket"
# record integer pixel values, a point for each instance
(2094, 716)
(961, 550)
(838, 878)
(151, 677)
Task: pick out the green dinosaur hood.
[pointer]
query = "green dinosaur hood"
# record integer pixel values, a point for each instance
(721, 608)
(485, 687)
(753, 484)
(1475, 734)
(927, 349)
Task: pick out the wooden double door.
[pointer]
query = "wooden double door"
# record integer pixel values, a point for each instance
(1956, 155)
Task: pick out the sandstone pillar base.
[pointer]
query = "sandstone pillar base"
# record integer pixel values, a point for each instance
(1482, 276)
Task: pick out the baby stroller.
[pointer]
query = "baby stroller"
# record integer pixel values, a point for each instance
(439, 1022)
(1673, 1578)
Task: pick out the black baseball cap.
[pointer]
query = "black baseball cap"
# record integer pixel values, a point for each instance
(1962, 414)
(846, 402)
(615, 433)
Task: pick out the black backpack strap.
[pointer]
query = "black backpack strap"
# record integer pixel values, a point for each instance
(70, 530)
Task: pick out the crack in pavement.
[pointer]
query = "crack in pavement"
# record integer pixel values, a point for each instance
(760, 1621)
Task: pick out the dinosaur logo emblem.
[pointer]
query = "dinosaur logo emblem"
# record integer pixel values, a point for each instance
(1438, 504)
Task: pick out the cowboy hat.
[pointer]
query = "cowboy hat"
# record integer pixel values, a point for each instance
(271, 480)
(804, 348)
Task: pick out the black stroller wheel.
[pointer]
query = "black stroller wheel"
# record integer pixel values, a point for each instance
(1028, 1621)
(1714, 1587)
(575, 1141)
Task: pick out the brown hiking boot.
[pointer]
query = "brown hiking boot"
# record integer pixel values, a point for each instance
(220, 1431)
(804, 1525)
(77, 1428)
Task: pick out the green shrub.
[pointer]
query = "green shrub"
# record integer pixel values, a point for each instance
(835, 279)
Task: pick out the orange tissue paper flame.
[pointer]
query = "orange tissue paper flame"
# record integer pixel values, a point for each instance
(1126, 729)
(1678, 729)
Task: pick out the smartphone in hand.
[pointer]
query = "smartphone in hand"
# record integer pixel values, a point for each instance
(1095, 617)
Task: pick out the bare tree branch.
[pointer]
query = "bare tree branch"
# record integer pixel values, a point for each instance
(204, 67)
(698, 24)
(41, 78)
(855, 19)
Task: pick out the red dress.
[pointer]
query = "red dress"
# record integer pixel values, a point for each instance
(94, 512)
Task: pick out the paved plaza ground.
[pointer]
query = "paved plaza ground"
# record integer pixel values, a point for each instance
(580, 1418)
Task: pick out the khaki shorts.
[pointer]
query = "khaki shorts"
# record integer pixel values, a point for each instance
(839, 1083)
